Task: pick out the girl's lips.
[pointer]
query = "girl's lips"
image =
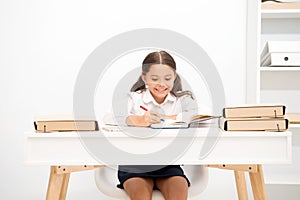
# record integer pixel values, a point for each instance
(161, 90)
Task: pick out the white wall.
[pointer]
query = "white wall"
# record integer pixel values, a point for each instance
(44, 43)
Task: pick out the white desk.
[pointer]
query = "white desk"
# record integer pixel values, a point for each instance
(233, 150)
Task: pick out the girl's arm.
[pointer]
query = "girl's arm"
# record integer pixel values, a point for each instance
(136, 120)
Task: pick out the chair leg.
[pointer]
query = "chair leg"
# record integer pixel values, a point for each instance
(58, 185)
(241, 185)
(258, 184)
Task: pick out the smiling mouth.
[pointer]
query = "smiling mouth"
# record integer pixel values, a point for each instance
(161, 90)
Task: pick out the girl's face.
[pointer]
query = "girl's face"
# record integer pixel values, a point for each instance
(160, 80)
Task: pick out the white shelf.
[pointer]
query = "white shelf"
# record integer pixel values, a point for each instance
(280, 14)
(294, 125)
(276, 69)
(281, 84)
(283, 182)
(291, 179)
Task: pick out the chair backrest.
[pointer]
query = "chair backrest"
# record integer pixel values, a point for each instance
(106, 181)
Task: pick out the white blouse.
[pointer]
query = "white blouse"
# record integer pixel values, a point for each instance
(171, 106)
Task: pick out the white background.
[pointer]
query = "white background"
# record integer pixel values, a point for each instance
(44, 43)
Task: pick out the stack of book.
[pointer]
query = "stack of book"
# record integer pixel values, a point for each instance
(63, 123)
(254, 118)
(281, 54)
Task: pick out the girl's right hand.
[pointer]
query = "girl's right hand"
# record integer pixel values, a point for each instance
(152, 117)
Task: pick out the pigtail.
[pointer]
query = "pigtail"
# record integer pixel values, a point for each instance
(177, 88)
(138, 85)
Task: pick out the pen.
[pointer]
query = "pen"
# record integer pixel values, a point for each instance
(142, 107)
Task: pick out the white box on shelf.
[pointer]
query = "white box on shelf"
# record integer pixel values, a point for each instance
(282, 59)
(280, 47)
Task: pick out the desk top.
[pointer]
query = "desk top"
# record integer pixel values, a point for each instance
(147, 146)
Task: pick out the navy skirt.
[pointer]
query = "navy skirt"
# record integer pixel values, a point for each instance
(148, 171)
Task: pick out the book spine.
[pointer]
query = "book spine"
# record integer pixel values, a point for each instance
(96, 126)
(224, 112)
(287, 123)
(225, 126)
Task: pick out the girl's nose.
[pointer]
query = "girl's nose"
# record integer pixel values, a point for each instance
(162, 83)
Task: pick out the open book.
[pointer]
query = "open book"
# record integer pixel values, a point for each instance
(175, 124)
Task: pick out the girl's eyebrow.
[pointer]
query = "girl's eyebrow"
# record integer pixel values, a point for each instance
(164, 75)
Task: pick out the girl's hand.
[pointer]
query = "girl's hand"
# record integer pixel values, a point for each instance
(152, 117)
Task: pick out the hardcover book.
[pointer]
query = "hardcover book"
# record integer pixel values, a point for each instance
(254, 111)
(60, 123)
(252, 124)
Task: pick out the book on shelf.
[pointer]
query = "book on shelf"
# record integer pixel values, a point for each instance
(254, 111)
(279, 5)
(175, 124)
(294, 118)
(281, 59)
(254, 124)
(279, 47)
(63, 123)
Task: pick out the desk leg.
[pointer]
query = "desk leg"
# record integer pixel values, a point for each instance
(241, 185)
(258, 184)
(58, 185)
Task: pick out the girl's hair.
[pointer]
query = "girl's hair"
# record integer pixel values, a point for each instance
(160, 57)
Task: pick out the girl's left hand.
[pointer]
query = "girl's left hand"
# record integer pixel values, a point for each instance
(152, 117)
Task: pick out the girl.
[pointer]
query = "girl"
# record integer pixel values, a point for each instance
(158, 88)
